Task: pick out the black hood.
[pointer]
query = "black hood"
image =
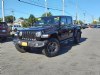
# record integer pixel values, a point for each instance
(39, 28)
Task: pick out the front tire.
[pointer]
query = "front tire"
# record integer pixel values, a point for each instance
(4, 39)
(21, 49)
(52, 48)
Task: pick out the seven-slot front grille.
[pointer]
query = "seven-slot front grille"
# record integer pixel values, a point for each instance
(28, 35)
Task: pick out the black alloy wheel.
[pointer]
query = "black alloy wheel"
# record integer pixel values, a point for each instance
(52, 48)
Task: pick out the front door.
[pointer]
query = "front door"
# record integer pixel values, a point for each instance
(70, 27)
(63, 31)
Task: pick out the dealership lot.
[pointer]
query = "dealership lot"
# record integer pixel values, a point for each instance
(82, 59)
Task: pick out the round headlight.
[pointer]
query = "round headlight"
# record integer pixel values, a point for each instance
(20, 33)
(38, 34)
(16, 34)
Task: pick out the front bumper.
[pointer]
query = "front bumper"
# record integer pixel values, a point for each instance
(35, 43)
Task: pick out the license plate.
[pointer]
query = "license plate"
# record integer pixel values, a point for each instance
(24, 44)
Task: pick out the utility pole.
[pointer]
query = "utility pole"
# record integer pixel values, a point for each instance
(13, 16)
(92, 18)
(3, 11)
(84, 17)
(46, 8)
(63, 10)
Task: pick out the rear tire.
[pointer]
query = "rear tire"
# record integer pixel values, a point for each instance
(77, 37)
(52, 48)
(21, 49)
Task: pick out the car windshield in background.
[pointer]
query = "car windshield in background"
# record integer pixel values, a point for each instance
(3, 24)
(17, 26)
(98, 26)
(47, 21)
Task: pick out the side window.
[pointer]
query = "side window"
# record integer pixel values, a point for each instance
(69, 20)
(63, 21)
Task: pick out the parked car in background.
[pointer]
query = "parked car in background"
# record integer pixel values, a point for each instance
(93, 26)
(15, 28)
(4, 30)
(83, 26)
(98, 26)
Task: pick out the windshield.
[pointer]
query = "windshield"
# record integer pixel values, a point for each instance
(47, 21)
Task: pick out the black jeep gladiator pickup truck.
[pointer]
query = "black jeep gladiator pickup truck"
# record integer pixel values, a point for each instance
(47, 33)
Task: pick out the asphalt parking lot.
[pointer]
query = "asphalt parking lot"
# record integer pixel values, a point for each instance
(82, 59)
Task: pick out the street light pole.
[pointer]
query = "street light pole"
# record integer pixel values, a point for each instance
(92, 18)
(84, 17)
(46, 8)
(63, 11)
(3, 11)
(76, 13)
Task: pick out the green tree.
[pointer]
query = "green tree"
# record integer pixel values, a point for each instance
(31, 19)
(80, 22)
(48, 14)
(25, 23)
(0, 19)
(9, 19)
(94, 22)
(99, 21)
(21, 18)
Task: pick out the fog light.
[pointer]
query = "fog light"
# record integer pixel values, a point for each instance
(16, 34)
(36, 44)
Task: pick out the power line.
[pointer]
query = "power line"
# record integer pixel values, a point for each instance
(82, 10)
(15, 11)
(36, 2)
(32, 4)
(7, 9)
(41, 6)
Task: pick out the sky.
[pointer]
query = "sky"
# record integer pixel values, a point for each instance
(89, 7)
